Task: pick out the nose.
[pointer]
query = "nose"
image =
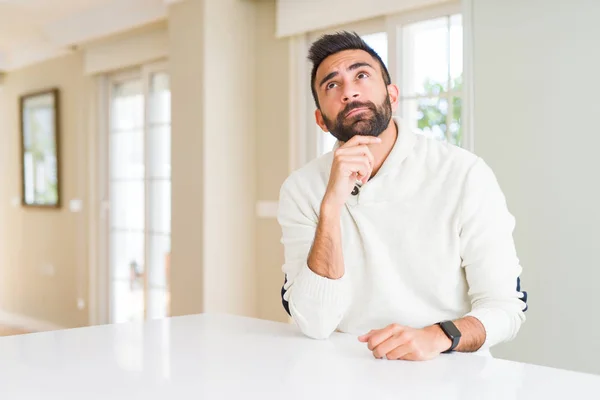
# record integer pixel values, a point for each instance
(350, 94)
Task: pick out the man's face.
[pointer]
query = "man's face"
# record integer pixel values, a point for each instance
(353, 97)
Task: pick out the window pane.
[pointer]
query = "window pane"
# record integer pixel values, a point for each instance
(160, 99)
(425, 65)
(127, 255)
(127, 204)
(159, 160)
(127, 154)
(456, 52)
(160, 250)
(426, 116)
(127, 108)
(327, 141)
(379, 43)
(455, 130)
(160, 206)
(140, 194)
(127, 302)
(158, 303)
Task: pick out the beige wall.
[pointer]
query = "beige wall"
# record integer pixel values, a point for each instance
(214, 161)
(272, 119)
(35, 238)
(230, 159)
(186, 35)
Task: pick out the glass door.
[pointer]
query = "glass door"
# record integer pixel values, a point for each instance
(158, 186)
(139, 187)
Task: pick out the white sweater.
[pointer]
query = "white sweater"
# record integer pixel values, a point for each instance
(428, 239)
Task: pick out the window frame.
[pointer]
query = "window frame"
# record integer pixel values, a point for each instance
(395, 26)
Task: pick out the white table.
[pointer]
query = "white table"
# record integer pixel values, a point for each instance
(224, 357)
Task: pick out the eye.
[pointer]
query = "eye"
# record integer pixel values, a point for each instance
(362, 75)
(331, 85)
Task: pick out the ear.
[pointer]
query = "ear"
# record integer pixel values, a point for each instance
(394, 94)
(320, 121)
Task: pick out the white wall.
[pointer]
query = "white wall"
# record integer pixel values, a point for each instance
(537, 66)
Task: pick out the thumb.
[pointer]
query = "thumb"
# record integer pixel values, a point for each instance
(365, 337)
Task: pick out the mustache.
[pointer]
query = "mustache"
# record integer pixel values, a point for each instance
(357, 104)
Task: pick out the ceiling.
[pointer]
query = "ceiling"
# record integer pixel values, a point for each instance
(35, 30)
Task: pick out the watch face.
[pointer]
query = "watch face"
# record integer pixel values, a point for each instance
(450, 328)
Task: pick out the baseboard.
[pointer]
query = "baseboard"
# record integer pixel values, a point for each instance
(27, 323)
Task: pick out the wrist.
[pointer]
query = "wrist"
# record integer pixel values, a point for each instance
(330, 209)
(440, 341)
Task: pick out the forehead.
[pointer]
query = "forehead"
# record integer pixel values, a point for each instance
(342, 60)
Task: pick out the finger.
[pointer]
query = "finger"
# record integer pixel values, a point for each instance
(360, 169)
(354, 159)
(366, 336)
(400, 352)
(366, 178)
(382, 335)
(357, 160)
(412, 356)
(356, 151)
(360, 139)
(383, 348)
(358, 157)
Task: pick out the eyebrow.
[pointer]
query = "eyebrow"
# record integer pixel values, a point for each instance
(350, 68)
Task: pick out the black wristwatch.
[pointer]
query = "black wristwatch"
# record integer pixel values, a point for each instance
(452, 332)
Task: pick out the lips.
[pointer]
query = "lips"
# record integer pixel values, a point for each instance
(355, 111)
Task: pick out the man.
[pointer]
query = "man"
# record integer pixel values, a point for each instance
(392, 233)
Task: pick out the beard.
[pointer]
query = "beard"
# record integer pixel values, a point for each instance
(371, 122)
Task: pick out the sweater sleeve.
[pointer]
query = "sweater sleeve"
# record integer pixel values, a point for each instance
(315, 303)
(489, 256)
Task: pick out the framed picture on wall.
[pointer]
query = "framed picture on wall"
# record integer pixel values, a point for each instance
(40, 133)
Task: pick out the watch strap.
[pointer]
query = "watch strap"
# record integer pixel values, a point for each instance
(452, 332)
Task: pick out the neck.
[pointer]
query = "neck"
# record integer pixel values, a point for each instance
(382, 150)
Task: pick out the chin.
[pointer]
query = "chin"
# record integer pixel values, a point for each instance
(363, 127)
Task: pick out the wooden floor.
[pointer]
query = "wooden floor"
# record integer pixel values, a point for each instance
(8, 331)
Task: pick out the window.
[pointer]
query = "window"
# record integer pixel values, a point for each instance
(431, 78)
(424, 54)
(139, 187)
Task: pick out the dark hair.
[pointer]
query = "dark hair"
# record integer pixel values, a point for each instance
(327, 45)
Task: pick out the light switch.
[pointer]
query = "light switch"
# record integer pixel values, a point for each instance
(75, 205)
(48, 270)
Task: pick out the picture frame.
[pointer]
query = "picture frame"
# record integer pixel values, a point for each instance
(40, 144)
